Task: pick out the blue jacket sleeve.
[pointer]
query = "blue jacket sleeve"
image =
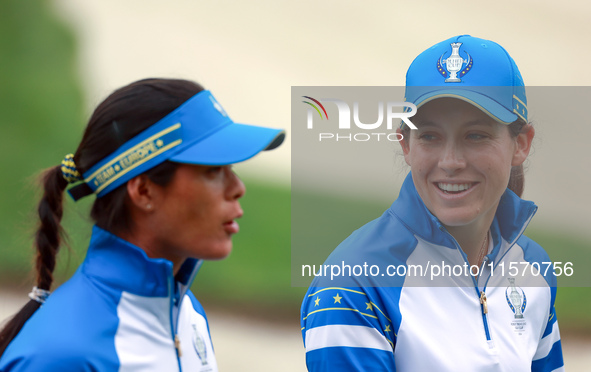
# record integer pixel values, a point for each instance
(344, 329)
(548, 356)
(46, 361)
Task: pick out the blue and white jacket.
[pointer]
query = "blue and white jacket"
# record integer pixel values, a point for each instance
(502, 320)
(121, 311)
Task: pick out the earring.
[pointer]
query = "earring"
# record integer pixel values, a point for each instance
(149, 207)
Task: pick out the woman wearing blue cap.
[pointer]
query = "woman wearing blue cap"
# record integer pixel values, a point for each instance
(454, 237)
(157, 154)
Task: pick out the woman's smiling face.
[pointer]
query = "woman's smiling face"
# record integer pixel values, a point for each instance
(461, 160)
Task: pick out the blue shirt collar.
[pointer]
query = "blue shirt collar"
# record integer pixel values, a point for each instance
(122, 265)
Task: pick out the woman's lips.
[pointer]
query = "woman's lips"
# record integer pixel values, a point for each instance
(231, 227)
(454, 187)
(454, 190)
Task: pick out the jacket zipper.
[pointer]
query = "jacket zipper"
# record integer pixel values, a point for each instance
(177, 345)
(483, 300)
(174, 322)
(484, 308)
(173, 328)
(481, 294)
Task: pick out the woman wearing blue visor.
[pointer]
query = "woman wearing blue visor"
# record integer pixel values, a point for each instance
(465, 290)
(157, 154)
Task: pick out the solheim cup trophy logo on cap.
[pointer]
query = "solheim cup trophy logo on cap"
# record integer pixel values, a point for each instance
(453, 64)
(217, 106)
(476, 70)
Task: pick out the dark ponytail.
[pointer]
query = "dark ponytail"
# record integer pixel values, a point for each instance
(47, 241)
(121, 116)
(517, 178)
(50, 232)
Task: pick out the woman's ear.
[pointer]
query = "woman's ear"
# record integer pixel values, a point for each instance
(142, 193)
(523, 143)
(404, 143)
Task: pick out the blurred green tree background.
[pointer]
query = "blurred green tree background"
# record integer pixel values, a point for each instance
(40, 117)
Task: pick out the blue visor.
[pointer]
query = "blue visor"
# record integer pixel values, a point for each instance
(197, 132)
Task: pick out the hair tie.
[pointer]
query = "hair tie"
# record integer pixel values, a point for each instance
(39, 295)
(69, 171)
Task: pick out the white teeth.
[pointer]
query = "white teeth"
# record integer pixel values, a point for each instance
(455, 187)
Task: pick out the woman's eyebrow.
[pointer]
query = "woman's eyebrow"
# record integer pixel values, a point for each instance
(488, 123)
(422, 124)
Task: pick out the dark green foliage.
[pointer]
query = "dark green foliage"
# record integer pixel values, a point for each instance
(40, 117)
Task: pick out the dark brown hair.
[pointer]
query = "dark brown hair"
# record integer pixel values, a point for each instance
(517, 178)
(121, 116)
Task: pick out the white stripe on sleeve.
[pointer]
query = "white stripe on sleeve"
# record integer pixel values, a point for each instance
(345, 335)
(547, 342)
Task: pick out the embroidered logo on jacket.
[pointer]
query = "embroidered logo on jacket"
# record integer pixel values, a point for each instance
(199, 345)
(517, 302)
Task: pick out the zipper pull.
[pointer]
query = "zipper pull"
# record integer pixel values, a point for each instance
(177, 345)
(483, 302)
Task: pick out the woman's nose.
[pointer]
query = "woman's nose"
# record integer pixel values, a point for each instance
(236, 188)
(452, 158)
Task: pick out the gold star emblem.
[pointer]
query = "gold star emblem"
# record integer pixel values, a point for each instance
(337, 299)
(369, 307)
(159, 143)
(117, 168)
(387, 328)
(317, 301)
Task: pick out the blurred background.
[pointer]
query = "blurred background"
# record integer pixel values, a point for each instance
(60, 58)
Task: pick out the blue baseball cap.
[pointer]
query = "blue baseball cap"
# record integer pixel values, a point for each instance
(197, 132)
(475, 70)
